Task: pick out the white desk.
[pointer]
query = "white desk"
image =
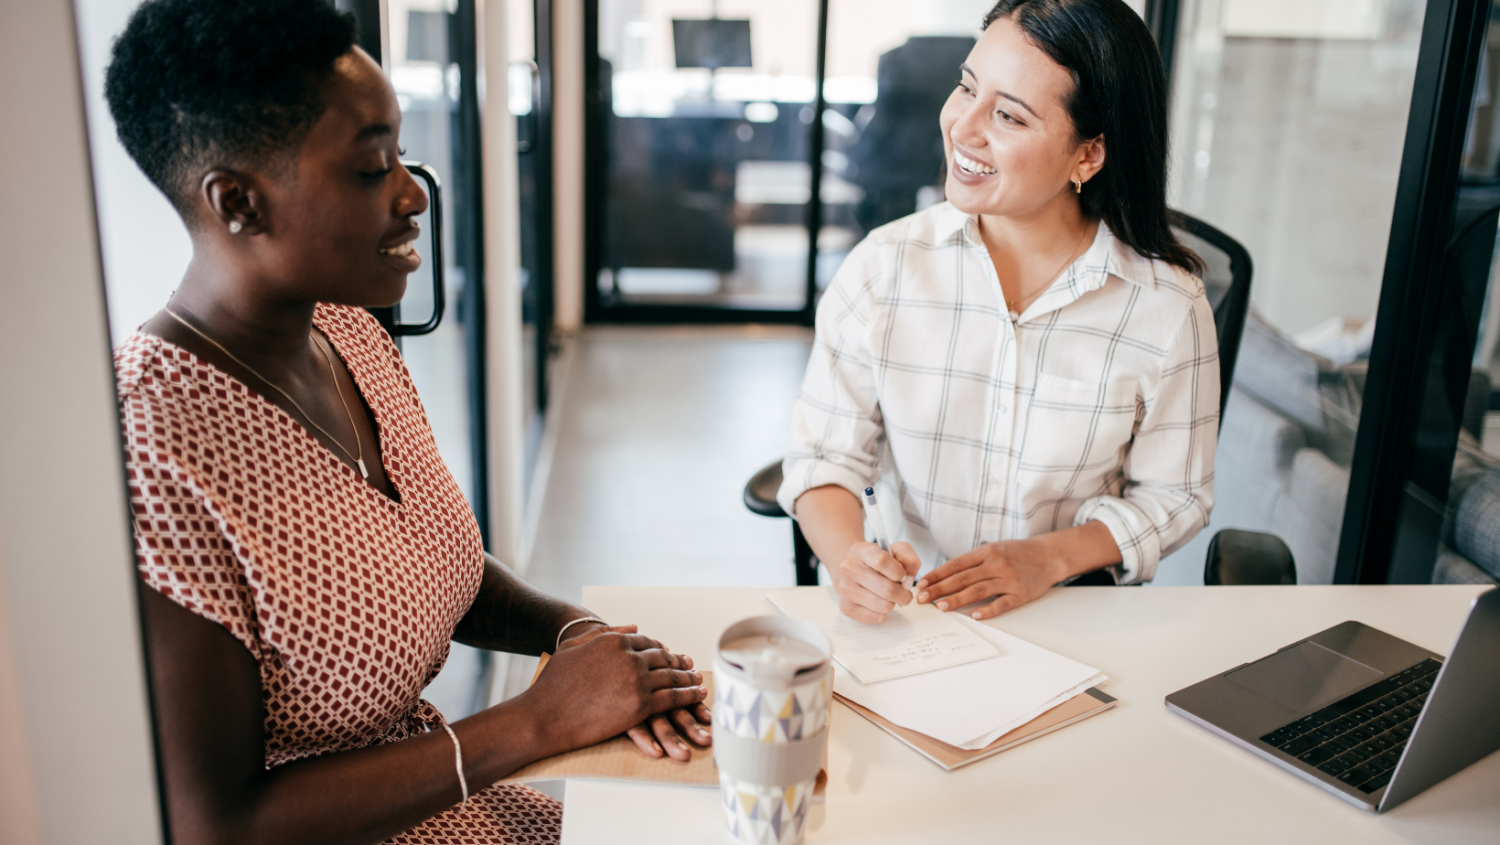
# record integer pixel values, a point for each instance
(1133, 774)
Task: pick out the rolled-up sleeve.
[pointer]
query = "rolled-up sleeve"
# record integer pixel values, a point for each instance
(837, 429)
(1167, 492)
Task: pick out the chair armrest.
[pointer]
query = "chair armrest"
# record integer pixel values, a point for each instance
(1240, 558)
(760, 490)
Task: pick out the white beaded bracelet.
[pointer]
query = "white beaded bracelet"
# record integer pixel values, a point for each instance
(571, 624)
(458, 763)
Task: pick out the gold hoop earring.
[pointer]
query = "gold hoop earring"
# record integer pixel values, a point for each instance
(1077, 186)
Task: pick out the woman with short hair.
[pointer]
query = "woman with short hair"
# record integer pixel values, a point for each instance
(305, 555)
(1031, 366)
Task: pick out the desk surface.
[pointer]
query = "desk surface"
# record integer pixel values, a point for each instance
(1133, 774)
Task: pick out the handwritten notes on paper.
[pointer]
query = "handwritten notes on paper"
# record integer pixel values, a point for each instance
(913, 639)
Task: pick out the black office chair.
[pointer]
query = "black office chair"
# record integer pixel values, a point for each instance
(1226, 278)
(1239, 558)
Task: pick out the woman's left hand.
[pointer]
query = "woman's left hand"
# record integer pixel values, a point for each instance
(1012, 572)
(664, 731)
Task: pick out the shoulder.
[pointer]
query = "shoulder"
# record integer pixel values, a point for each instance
(931, 229)
(1177, 283)
(920, 243)
(133, 360)
(1171, 295)
(346, 324)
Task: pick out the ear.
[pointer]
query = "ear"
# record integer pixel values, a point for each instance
(1091, 157)
(232, 197)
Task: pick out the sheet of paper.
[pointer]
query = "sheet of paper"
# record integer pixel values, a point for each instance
(969, 706)
(912, 640)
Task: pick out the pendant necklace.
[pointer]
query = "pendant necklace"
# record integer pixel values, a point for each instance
(359, 460)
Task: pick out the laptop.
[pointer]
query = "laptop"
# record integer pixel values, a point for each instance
(1362, 714)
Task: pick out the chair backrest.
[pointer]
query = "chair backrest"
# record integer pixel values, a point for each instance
(1227, 280)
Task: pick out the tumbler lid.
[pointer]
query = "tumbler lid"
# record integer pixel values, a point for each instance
(774, 649)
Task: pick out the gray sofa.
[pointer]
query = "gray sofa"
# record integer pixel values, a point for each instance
(1283, 467)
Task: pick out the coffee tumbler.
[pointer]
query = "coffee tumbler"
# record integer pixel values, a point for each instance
(773, 689)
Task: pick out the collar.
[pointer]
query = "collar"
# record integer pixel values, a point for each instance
(1114, 256)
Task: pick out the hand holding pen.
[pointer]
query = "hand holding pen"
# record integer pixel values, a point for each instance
(874, 578)
(877, 526)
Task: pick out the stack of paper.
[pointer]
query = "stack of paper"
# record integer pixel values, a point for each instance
(952, 691)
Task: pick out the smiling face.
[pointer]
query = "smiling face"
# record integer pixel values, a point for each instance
(336, 222)
(1012, 148)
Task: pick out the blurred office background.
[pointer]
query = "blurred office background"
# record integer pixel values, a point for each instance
(643, 199)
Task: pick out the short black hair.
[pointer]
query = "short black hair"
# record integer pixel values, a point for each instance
(194, 84)
(1120, 92)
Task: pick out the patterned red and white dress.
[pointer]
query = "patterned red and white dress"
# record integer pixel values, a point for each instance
(346, 598)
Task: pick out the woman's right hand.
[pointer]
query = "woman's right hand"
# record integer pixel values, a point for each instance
(868, 580)
(608, 680)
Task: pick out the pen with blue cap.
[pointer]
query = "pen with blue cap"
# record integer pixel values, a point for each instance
(877, 525)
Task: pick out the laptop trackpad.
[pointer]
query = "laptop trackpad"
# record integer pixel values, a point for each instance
(1305, 677)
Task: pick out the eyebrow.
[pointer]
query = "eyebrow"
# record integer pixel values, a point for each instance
(373, 130)
(964, 68)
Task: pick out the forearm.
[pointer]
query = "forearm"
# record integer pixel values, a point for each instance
(832, 520)
(509, 614)
(369, 795)
(1083, 548)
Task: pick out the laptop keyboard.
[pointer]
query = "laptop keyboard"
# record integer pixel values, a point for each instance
(1359, 738)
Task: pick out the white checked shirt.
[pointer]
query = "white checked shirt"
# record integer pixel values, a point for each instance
(1100, 402)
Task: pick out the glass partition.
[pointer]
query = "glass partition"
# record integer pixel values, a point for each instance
(426, 78)
(891, 66)
(1456, 506)
(1288, 130)
(706, 108)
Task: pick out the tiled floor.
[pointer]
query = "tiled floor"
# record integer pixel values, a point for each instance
(655, 431)
(658, 430)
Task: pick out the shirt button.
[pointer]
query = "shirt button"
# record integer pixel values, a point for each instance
(1004, 409)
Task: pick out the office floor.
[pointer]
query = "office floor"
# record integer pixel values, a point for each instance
(657, 431)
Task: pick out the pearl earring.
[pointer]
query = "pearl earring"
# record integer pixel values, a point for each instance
(235, 226)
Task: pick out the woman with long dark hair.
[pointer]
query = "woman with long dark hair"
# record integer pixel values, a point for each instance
(1029, 368)
(305, 556)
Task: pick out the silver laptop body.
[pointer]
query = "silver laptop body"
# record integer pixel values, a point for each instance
(1334, 708)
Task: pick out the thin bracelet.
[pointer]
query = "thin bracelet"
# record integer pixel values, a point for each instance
(458, 763)
(571, 624)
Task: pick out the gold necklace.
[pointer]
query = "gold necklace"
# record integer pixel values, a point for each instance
(359, 460)
(1017, 309)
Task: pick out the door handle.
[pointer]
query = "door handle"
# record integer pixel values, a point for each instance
(435, 251)
(527, 140)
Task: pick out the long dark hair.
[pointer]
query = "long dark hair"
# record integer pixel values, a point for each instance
(1120, 92)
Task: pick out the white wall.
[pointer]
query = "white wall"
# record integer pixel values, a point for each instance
(502, 242)
(567, 163)
(80, 770)
(146, 249)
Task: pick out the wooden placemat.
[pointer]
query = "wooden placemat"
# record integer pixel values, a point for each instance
(620, 759)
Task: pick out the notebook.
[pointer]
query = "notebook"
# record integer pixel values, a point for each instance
(950, 757)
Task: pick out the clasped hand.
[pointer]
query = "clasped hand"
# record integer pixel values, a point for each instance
(611, 680)
(1011, 572)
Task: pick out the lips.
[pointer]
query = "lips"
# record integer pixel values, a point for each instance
(972, 166)
(403, 255)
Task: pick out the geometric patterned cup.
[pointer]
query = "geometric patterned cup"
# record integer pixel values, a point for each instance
(773, 690)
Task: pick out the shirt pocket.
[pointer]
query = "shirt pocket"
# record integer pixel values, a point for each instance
(1078, 427)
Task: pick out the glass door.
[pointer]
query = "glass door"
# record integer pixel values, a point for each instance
(429, 50)
(891, 66)
(700, 121)
(530, 75)
(1288, 130)
(1424, 502)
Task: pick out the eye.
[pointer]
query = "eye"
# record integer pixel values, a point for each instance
(965, 88)
(402, 151)
(375, 175)
(1007, 118)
